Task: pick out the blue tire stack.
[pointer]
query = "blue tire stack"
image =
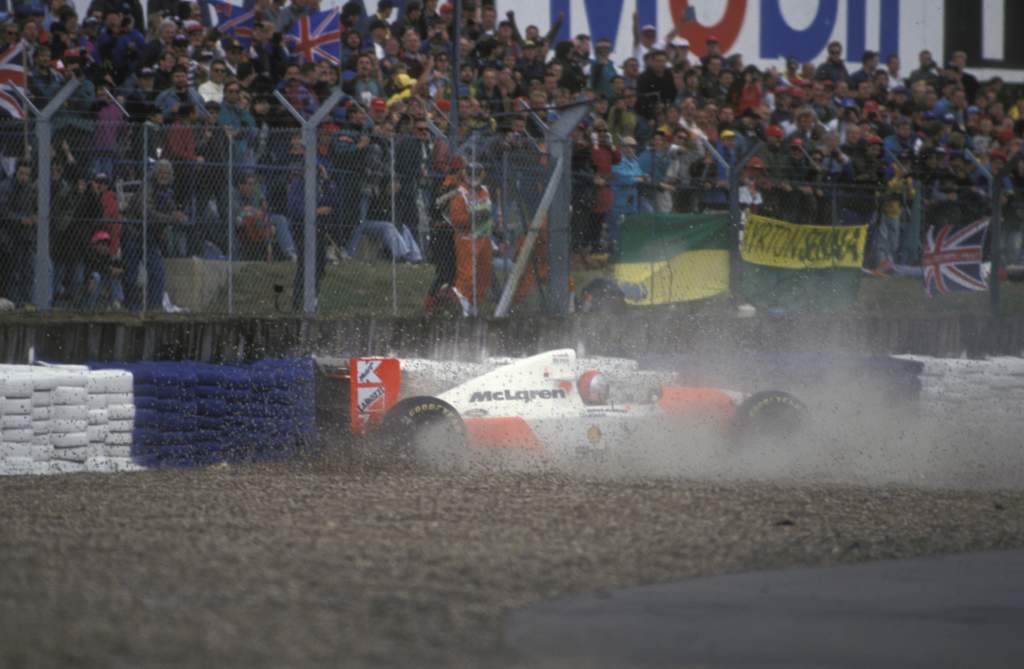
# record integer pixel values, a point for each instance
(194, 414)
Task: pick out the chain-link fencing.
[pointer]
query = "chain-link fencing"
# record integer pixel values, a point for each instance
(202, 210)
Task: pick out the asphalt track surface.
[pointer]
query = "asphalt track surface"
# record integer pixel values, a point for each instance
(964, 610)
(330, 564)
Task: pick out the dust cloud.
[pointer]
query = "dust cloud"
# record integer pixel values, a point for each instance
(965, 431)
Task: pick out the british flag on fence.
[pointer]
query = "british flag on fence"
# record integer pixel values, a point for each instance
(952, 258)
(317, 37)
(12, 75)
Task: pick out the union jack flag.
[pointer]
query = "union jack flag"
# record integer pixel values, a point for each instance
(235, 21)
(12, 75)
(952, 259)
(317, 37)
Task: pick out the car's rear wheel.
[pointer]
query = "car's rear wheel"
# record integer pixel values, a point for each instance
(771, 414)
(418, 428)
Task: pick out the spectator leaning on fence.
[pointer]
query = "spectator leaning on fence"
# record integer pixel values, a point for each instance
(837, 138)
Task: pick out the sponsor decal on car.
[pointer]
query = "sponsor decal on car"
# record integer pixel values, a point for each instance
(516, 396)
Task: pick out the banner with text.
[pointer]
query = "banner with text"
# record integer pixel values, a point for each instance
(774, 243)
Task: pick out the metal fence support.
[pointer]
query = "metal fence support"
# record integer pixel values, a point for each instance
(531, 238)
(559, 213)
(311, 182)
(735, 215)
(231, 227)
(395, 223)
(42, 288)
(145, 215)
(995, 231)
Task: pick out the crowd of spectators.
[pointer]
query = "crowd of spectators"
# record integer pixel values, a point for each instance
(837, 144)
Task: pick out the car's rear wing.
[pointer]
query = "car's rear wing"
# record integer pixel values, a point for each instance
(374, 384)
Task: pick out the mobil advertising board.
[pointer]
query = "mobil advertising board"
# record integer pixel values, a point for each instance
(768, 31)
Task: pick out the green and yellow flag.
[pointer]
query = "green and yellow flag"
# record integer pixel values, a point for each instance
(665, 258)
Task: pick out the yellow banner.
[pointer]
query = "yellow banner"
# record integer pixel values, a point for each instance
(768, 241)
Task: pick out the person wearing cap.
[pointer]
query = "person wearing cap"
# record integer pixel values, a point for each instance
(103, 270)
(627, 177)
(712, 49)
(378, 109)
(602, 69)
(645, 38)
(678, 50)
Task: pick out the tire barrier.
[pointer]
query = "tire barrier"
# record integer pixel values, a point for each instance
(56, 420)
(60, 419)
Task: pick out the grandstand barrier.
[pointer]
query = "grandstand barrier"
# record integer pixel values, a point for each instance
(123, 417)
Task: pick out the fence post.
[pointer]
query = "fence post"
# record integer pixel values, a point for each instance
(145, 216)
(505, 302)
(912, 246)
(311, 184)
(394, 222)
(736, 215)
(560, 215)
(473, 176)
(995, 229)
(42, 289)
(231, 226)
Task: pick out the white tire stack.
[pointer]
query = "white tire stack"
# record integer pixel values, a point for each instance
(61, 419)
(110, 436)
(69, 422)
(17, 447)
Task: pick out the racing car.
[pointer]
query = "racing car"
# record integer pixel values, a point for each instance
(545, 404)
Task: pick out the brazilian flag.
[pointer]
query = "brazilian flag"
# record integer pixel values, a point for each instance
(665, 258)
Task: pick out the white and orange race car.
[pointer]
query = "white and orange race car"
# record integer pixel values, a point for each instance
(546, 404)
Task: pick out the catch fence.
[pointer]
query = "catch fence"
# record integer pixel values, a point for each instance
(209, 214)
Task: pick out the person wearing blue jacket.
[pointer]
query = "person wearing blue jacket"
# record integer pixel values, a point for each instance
(656, 194)
(627, 176)
(238, 122)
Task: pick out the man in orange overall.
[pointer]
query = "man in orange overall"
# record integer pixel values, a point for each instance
(471, 218)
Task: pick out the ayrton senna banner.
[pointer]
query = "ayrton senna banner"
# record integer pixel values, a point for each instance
(801, 267)
(775, 243)
(666, 258)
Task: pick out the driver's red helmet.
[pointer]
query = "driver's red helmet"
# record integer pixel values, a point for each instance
(594, 387)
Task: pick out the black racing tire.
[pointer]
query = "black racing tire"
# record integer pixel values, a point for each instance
(771, 414)
(406, 426)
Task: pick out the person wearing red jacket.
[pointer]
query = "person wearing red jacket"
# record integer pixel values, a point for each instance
(605, 155)
(469, 211)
